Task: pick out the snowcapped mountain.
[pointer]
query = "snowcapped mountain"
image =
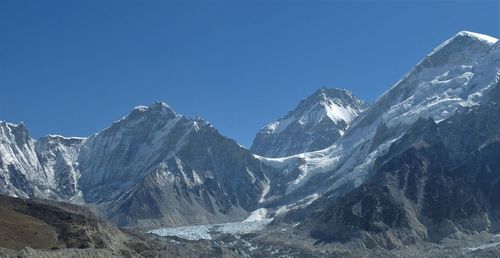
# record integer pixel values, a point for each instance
(157, 167)
(153, 167)
(45, 168)
(438, 179)
(457, 75)
(316, 123)
(58, 157)
(114, 159)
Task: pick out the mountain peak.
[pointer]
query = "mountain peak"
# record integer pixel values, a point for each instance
(333, 101)
(332, 91)
(158, 106)
(315, 123)
(157, 110)
(17, 129)
(467, 36)
(475, 35)
(329, 93)
(465, 41)
(324, 96)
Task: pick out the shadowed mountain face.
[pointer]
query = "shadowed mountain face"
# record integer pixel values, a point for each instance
(437, 180)
(156, 167)
(207, 179)
(314, 124)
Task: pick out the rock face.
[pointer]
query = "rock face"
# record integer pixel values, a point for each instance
(190, 174)
(58, 157)
(153, 167)
(47, 167)
(316, 123)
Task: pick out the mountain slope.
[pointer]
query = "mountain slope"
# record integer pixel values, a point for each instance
(314, 124)
(455, 76)
(43, 228)
(155, 167)
(207, 178)
(437, 180)
(49, 225)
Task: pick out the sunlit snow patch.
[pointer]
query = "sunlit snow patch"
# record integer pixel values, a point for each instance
(259, 214)
(481, 247)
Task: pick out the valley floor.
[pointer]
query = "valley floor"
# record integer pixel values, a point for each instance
(42, 228)
(254, 239)
(279, 243)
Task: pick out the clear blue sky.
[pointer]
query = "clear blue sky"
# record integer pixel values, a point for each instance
(74, 67)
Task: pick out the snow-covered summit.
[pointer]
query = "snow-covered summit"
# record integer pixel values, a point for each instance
(155, 109)
(480, 36)
(315, 123)
(5, 123)
(455, 74)
(337, 104)
(156, 113)
(468, 35)
(463, 48)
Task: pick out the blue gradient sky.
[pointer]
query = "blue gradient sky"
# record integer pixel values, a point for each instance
(73, 67)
